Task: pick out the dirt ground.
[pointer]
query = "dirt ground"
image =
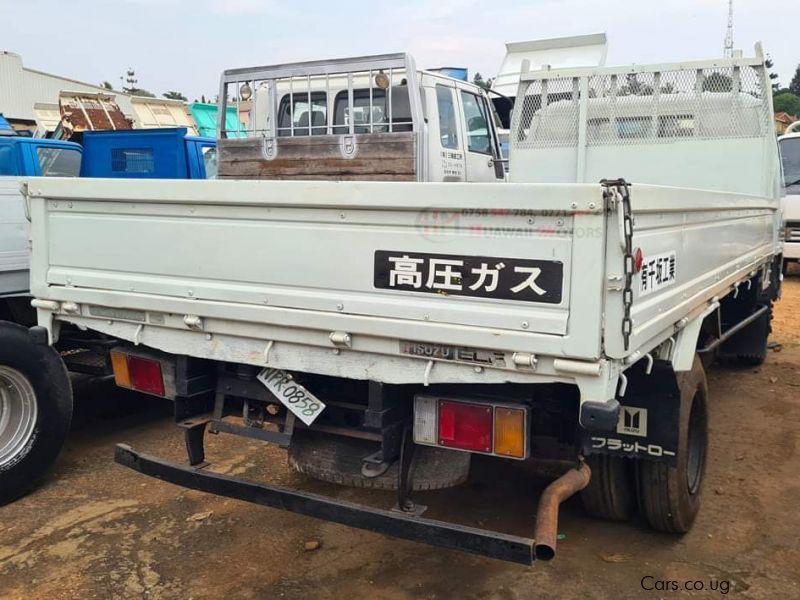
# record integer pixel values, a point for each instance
(97, 530)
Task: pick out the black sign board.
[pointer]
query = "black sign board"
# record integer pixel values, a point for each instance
(478, 276)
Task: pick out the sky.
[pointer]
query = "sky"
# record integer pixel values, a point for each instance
(184, 45)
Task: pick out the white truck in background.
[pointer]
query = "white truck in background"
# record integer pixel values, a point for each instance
(577, 51)
(363, 287)
(789, 144)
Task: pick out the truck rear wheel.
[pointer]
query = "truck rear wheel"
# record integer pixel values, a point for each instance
(35, 410)
(669, 497)
(611, 493)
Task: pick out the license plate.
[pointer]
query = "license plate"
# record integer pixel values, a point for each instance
(303, 404)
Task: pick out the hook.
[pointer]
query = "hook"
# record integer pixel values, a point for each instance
(267, 350)
(427, 374)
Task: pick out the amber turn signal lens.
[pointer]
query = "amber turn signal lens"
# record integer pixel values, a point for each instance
(122, 376)
(509, 432)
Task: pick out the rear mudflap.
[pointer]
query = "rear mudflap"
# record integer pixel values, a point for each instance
(649, 417)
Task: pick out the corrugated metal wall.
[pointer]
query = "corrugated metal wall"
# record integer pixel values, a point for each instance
(21, 88)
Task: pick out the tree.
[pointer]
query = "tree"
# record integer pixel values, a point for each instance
(788, 103)
(717, 82)
(773, 77)
(174, 96)
(668, 88)
(634, 87)
(129, 81)
(794, 86)
(106, 85)
(478, 80)
(136, 91)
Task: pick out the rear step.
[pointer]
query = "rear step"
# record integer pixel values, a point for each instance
(397, 523)
(389, 522)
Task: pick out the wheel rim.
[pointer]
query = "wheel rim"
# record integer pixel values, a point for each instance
(18, 413)
(696, 446)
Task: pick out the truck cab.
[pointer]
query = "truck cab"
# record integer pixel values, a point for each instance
(790, 157)
(30, 157)
(359, 119)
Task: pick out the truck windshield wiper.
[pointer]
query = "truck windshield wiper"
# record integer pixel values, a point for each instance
(793, 183)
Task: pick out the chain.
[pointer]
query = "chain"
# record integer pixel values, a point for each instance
(623, 188)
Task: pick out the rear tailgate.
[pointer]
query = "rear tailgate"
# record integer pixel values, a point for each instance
(494, 264)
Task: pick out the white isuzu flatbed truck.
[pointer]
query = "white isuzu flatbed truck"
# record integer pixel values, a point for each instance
(365, 287)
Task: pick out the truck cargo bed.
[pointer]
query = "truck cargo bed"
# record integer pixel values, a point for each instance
(290, 263)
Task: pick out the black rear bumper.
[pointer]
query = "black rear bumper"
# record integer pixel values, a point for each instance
(394, 523)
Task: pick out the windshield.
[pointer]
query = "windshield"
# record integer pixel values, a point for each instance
(790, 154)
(302, 118)
(59, 162)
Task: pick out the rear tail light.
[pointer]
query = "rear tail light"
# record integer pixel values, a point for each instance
(486, 428)
(119, 363)
(425, 420)
(509, 431)
(465, 426)
(137, 373)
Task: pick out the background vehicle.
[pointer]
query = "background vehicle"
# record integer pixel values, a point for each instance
(148, 154)
(36, 398)
(23, 156)
(790, 155)
(385, 325)
(556, 53)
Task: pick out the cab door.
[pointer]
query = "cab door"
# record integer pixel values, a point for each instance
(202, 157)
(480, 141)
(446, 138)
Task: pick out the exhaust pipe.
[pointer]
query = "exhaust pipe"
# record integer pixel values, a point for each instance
(554, 494)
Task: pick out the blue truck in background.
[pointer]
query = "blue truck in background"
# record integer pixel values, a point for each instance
(134, 153)
(148, 154)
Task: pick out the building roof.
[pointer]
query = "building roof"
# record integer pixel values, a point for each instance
(21, 88)
(785, 117)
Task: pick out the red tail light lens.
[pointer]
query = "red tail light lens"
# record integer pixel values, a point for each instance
(146, 375)
(465, 426)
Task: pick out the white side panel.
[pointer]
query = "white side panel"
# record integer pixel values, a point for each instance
(14, 259)
(712, 240)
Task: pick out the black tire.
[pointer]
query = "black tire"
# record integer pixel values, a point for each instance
(39, 369)
(758, 335)
(669, 497)
(611, 493)
(338, 459)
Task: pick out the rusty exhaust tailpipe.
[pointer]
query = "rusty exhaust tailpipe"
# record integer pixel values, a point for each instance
(554, 494)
